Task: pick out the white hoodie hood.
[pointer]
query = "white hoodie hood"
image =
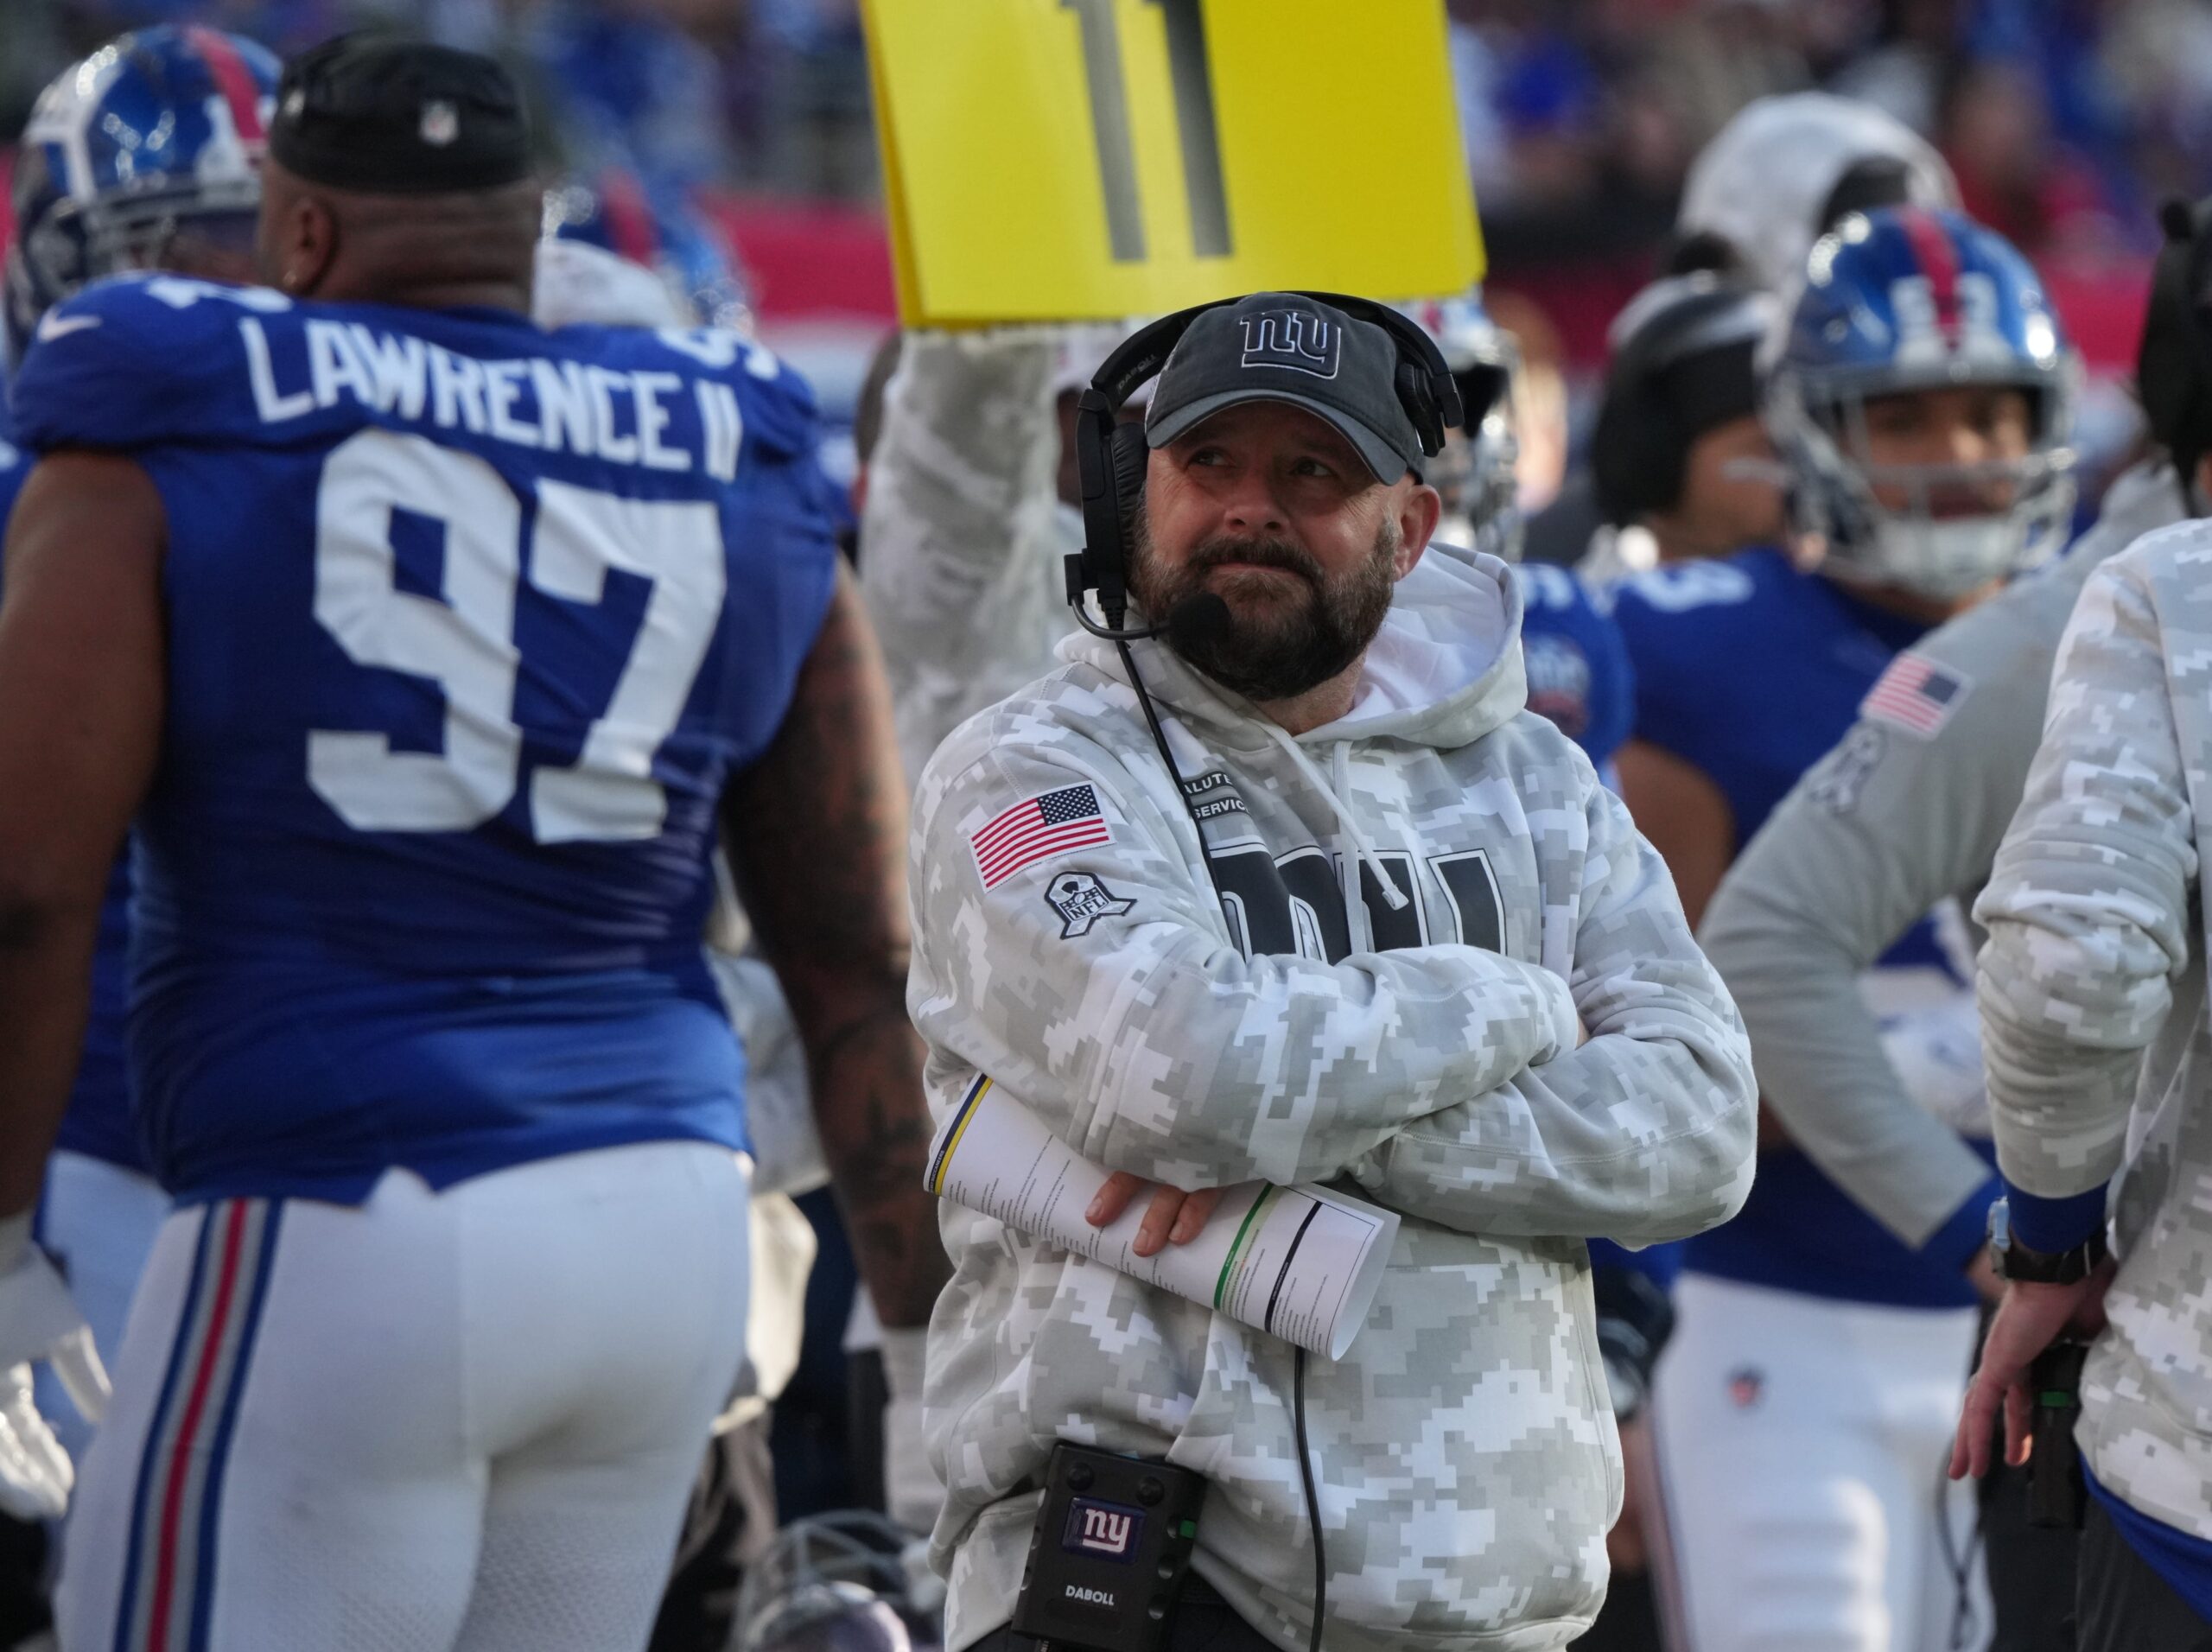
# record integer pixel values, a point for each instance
(1444, 669)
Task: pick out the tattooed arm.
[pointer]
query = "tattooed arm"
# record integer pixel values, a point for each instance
(816, 832)
(81, 656)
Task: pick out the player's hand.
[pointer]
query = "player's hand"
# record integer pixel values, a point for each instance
(2028, 1320)
(38, 1320)
(36, 1475)
(1173, 1217)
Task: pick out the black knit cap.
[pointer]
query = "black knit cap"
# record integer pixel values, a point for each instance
(390, 116)
(1685, 360)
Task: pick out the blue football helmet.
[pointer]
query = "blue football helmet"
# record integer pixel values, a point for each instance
(661, 230)
(1477, 472)
(1907, 300)
(158, 132)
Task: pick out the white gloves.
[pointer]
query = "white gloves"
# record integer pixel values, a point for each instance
(38, 1320)
(911, 1492)
(1937, 1053)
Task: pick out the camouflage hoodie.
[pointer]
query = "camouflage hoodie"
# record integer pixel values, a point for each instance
(1420, 899)
(2096, 1024)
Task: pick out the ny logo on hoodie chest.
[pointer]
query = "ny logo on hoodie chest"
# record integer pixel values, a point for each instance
(1294, 903)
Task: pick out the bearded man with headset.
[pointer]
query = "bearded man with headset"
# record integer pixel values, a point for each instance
(1346, 912)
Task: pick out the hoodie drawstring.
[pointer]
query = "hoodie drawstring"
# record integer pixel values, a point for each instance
(1391, 894)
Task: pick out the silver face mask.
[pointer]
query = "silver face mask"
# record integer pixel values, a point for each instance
(1833, 496)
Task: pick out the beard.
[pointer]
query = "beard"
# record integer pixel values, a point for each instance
(1272, 645)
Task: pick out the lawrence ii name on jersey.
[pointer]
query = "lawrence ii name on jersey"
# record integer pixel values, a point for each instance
(440, 587)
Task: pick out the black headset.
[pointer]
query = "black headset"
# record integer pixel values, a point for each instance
(1110, 455)
(1638, 448)
(2173, 368)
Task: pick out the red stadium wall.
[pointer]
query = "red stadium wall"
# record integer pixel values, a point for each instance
(808, 259)
(823, 261)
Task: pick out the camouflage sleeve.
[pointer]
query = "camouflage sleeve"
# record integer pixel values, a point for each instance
(1645, 1132)
(1888, 825)
(1145, 1037)
(2088, 908)
(957, 522)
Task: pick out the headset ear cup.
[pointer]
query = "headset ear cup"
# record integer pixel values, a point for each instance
(1129, 454)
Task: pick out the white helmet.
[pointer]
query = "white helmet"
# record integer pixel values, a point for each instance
(1767, 184)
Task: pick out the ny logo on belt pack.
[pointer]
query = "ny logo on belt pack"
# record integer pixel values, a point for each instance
(1294, 339)
(1108, 1530)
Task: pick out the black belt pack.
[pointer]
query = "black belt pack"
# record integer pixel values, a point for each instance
(1108, 1552)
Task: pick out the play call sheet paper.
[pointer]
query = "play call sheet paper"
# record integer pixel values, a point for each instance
(1301, 1262)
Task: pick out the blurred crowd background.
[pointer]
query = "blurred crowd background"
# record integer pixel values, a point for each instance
(2066, 120)
(747, 122)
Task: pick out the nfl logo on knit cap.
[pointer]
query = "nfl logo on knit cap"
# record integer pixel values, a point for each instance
(441, 123)
(393, 116)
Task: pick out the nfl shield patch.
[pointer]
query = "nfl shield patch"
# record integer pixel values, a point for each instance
(1081, 900)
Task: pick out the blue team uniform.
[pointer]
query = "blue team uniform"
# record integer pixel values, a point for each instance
(98, 1123)
(1579, 675)
(468, 625)
(1751, 671)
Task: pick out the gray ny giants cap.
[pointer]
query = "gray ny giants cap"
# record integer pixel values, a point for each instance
(1285, 347)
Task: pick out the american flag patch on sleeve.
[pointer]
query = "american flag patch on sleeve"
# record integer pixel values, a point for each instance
(1915, 694)
(1037, 828)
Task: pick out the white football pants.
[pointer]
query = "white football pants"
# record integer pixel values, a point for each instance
(98, 1220)
(1802, 1444)
(466, 1421)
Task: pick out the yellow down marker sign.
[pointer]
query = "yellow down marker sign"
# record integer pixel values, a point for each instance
(1094, 159)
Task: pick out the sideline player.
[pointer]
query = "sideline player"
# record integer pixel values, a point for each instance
(1920, 399)
(1680, 418)
(425, 1046)
(1782, 172)
(1906, 813)
(145, 155)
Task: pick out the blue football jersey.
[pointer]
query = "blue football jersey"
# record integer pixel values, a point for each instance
(468, 625)
(1752, 671)
(1579, 675)
(98, 1122)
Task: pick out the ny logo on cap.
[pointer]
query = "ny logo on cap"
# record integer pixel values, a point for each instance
(1295, 338)
(441, 123)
